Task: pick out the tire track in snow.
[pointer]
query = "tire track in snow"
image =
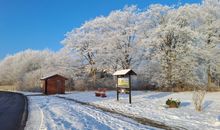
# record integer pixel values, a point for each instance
(49, 118)
(143, 121)
(60, 114)
(108, 118)
(102, 120)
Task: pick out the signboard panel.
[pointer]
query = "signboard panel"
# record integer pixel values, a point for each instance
(123, 82)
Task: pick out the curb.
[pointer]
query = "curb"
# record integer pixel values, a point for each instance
(25, 113)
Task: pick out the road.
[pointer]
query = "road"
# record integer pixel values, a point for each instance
(13, 111)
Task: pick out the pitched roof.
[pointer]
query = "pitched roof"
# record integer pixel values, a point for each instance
(124, 72)
(49, 76)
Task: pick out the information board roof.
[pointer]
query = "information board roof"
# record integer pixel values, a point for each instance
(125, 72)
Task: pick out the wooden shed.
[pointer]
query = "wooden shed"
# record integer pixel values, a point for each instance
(53, 84)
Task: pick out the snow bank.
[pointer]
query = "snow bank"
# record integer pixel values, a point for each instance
(34, 111)
(152, 105)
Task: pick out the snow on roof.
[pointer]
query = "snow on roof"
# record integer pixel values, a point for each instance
(49, 76)
(124, 72)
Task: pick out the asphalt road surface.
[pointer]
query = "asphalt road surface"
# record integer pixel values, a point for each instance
(13, 111)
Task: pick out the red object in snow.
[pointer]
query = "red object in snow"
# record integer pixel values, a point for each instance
(100, 92)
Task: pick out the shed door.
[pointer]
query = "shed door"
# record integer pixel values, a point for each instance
(59, 86)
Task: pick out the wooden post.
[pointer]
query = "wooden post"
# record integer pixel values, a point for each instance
(45, 86)
(129, 89)
(117, 94)
(117, 89)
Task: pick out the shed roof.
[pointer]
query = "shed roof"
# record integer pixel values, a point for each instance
(124, 72)
(50, 76)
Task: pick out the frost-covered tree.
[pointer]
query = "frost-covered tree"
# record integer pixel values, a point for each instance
(174, 51)
(172, 42)
(108, 43)
(174, 38)
(151, 18)
(209, 28)
(122, 42)
(23, 69)
(84, 42)
(171, 45)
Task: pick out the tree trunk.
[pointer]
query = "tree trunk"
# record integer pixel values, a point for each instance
(170, 75)
(209, 77)
(169, 69)
(93, 74)
(94, 79)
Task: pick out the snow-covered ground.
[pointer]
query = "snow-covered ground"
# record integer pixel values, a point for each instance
(152, 105)
(53, 113)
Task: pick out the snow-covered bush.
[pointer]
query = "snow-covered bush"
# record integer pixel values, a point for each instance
(173, 103)
(198, 97)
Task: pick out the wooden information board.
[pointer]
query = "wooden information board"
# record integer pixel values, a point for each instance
(123, 83)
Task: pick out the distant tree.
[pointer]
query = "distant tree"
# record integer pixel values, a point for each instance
(15, 68)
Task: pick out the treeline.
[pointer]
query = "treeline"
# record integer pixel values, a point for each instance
(168, 46)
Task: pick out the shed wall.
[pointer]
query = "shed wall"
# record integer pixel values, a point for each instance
(54, 85)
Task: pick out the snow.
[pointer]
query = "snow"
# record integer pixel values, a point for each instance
(53, 113)
(35, 116)
(49, 76)
(152, 105)
(124, 72)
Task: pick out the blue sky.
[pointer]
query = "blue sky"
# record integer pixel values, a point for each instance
(41, 24)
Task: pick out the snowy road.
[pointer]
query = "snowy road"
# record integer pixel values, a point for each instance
(52, 113)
